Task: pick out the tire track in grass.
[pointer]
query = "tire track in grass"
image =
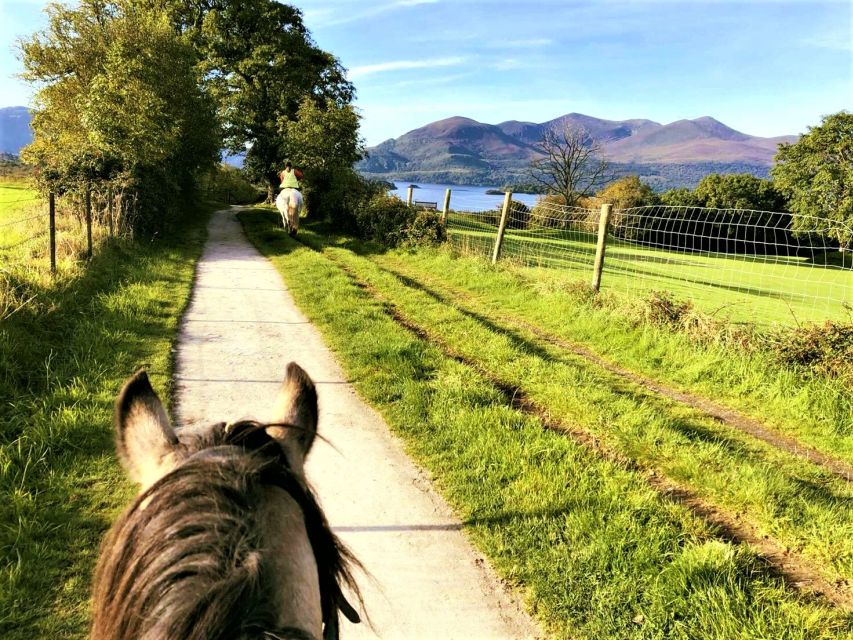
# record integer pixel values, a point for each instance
(795, 571)
(724, 415)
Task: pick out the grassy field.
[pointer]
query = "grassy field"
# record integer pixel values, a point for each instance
(581, 515)
(63, 357)
(755, 289)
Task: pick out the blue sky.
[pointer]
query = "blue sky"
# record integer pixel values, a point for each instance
(765, 68)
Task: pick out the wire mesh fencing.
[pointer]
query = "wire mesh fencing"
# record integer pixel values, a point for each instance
(751, 266)
(29, 238)
(743, 264)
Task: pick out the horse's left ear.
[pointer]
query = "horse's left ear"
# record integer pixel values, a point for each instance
(144, 436)
(296, 406)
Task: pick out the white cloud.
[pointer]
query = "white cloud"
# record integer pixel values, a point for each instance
(834, 41)
(326, 17)
(528, 42)
(399, 65)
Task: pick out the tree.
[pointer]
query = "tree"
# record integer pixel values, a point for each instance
(627, 193)
(324, 142)
(816, 173)
(118, 100)
(571, 165)
(738, 191)
(260, 63)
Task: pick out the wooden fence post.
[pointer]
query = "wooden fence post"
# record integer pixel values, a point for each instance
(446, 207)
(410, 195)
(52, 216)
(499, 239)
(110, 204)
(88, 223)
(603, 223)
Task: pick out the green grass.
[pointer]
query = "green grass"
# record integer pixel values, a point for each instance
(813, 409)
(18, 201)
(63, 358)
(742, 288)
(595, 550)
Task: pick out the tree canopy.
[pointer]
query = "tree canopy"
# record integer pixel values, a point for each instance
(816, 174)
(260, 64)
(118, 100)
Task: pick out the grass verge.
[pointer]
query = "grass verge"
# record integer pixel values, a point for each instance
(63, 358)
(597, 552)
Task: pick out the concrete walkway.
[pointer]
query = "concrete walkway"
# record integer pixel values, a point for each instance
(241, 329)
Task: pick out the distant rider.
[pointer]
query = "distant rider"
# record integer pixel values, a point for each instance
(289, 200)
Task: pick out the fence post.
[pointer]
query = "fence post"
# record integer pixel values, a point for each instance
(499, 239)
(110, 210)
(88, 223)
(410, 195)
(603, 222)
(446, 207)
(52, 216)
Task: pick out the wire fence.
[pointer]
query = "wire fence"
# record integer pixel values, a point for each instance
(748, 266)
(30, 236)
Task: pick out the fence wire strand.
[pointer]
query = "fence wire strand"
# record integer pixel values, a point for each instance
(756, 266)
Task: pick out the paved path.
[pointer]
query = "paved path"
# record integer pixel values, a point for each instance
(241, 329)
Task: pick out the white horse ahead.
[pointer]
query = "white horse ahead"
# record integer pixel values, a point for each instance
(289, 200)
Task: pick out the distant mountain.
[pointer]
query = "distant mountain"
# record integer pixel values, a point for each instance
(15, 131)
(470, 151)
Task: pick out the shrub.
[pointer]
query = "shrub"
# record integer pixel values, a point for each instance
(519, 215)
(382, 218)
(425, 229)
(227, 182)
(825, 349)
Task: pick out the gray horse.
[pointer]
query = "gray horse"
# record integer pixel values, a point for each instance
(225, 539)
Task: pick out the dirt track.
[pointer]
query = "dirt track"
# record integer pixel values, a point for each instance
(241, 329)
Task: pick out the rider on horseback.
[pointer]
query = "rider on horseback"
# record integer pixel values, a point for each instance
(289, 200)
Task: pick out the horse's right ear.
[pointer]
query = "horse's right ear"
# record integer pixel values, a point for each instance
(144, 435)
(296, 406)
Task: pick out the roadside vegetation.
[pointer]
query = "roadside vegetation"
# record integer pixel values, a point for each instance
(63, 358)
(612, 507)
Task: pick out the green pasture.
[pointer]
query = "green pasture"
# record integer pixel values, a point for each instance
(763, 290)
(18, 201)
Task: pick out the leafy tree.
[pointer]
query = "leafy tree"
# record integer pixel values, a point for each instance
(118, 100)
(680, 197)
(738, 191)
(260, 63)
(816, 173)
(571, 164)
(626, 193)
(324, 142)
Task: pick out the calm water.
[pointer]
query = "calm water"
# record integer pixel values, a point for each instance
(462, 198)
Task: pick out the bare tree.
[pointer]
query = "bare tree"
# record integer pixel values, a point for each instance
(571, 164)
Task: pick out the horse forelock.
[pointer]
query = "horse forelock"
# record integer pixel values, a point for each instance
(186, 559)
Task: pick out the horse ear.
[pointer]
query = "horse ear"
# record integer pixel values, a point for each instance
(296, 405)
(144, 436)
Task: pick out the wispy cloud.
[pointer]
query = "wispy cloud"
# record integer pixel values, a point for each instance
(399, 65)
(328, 17)
(834, 41)
(524, 43)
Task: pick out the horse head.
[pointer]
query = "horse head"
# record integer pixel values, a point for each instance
(225, 538)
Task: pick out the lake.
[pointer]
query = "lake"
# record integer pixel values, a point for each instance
(462, 197)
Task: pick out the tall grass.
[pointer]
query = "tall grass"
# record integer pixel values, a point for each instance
(63, 357)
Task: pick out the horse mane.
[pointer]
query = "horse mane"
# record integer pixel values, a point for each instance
(186, 561)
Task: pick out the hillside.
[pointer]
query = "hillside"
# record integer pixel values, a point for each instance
(463, 150)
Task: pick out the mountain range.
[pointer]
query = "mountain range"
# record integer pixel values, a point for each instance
(15, 129)
(460, 150)
(466, 151)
